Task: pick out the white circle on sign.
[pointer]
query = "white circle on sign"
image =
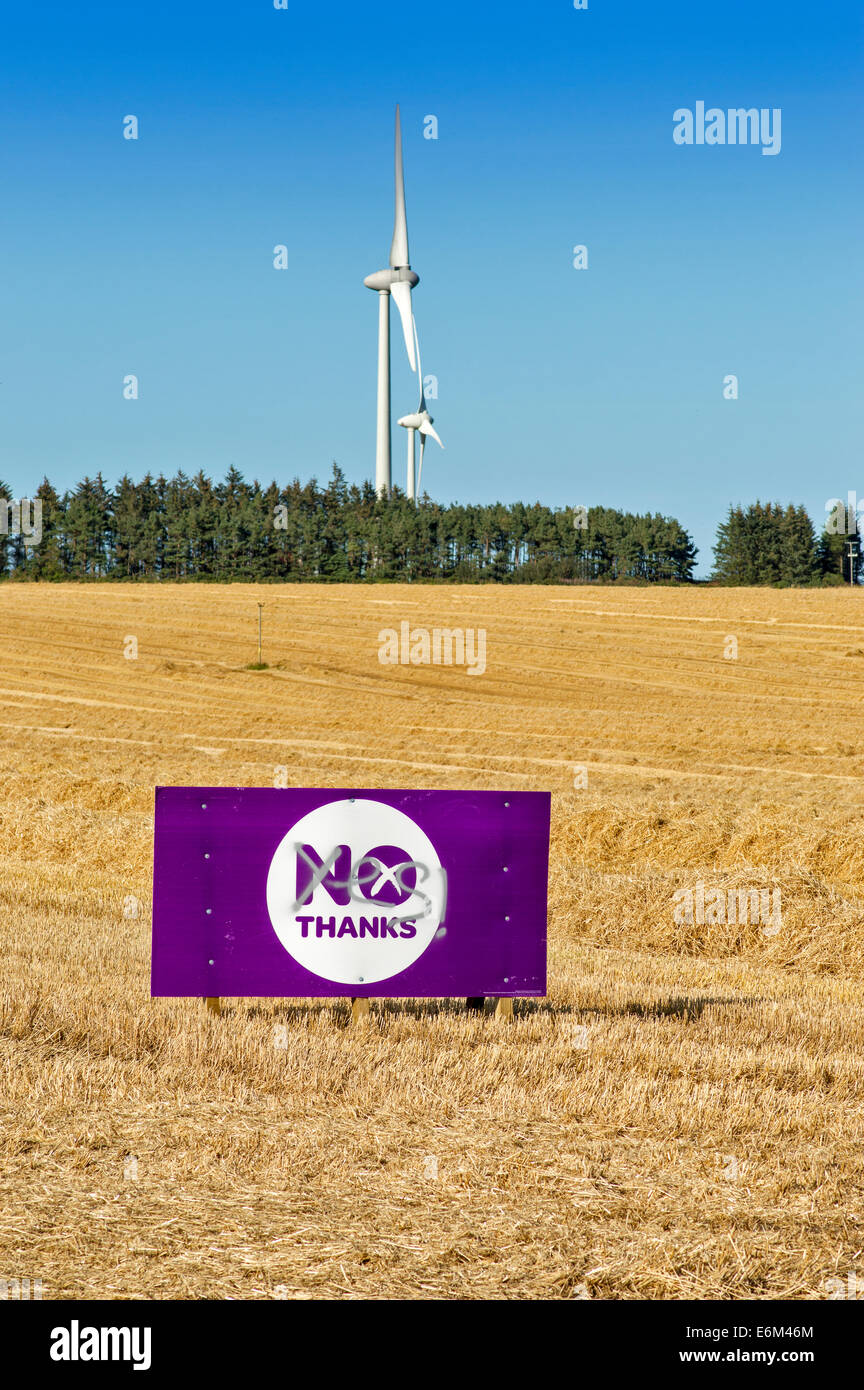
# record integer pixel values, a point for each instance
(355, 891)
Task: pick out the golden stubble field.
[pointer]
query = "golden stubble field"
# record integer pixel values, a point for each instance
(683, 1116)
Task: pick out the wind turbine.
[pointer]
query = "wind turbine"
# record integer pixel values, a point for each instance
(421, 420)
(397, 281)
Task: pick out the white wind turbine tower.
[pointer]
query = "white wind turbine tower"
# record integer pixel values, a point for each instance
(398, 281)
(421, 420)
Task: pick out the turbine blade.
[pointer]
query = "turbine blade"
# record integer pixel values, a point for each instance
(399, 245)
(422, 406)
(400, 291)
(426, 428)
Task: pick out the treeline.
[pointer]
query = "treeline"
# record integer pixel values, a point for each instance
(190, 528)
(766, 543)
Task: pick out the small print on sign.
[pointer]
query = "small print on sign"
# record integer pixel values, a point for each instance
(356, 891)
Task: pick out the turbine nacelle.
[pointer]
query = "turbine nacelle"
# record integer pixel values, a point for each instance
(386, 279)
(421, 420)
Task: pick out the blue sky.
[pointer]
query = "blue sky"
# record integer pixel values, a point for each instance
(261, 126)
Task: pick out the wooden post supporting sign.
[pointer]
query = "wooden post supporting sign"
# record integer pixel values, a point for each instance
(360, 1009)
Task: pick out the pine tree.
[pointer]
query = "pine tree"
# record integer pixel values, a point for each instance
(49, 559)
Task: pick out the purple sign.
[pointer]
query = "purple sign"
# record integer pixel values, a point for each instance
(303, 892)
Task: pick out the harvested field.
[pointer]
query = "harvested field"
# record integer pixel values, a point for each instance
(683, 1117)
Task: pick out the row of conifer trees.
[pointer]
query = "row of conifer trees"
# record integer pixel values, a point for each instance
(191, 528)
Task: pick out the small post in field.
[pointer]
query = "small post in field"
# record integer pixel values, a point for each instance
(260, 607)
(504, 1009)
(214, 1004)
